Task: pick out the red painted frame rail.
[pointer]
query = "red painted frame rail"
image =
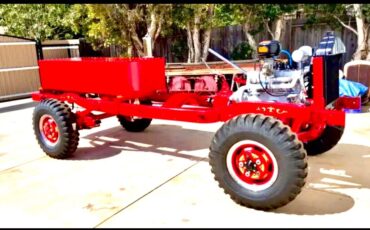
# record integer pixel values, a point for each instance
(307, 121)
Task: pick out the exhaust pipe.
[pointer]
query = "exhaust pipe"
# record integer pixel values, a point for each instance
(227, 61)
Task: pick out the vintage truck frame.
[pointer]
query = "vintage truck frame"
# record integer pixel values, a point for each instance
(258, 156)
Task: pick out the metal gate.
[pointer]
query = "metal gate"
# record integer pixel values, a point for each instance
(19, 75)
(19, 71)
(60, 48)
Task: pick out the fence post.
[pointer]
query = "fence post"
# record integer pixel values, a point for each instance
(40, 54)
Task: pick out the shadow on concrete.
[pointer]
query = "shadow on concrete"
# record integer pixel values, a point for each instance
(365, 108)
(161, 139)
(344, 168)
(18, 107)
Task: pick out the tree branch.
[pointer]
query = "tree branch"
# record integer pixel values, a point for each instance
(153, 24)
(159, 28)
(159, 25)
(366, 32)
(344, 25)
(268, 28)
(248, 18)
(190, 43)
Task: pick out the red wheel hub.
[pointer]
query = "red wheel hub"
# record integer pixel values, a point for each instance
(49, 129)
(252, 165)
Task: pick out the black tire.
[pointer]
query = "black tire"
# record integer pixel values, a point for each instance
(67, 140)
(135, 124)
(283, 146)
(328, 139)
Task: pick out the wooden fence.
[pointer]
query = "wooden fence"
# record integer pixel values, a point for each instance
(295, 35)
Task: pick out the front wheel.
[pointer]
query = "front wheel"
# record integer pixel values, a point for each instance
(53, 127)
(258, 161)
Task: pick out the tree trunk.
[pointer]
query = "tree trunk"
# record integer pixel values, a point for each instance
(137, 44)
(155, 25)
(159, 28)
(207, 34)
(267, 26)
(152, 28)
(190, 44)
(361, 43)
(129, 50)
(206, 41)
(196, 36)
(278, 28)
(277, 25)
(250, 39)
(368, 43)
(136, 41)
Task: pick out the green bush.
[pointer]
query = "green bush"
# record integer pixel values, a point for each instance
(242, 51)
(179, 50)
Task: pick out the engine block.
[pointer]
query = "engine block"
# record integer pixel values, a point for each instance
(271, 84)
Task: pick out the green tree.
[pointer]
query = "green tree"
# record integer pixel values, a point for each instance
(337, 14)
(272, 15)
(197, 20)
(122, 24)
(36, 21)
(240, 14)
(255, 18)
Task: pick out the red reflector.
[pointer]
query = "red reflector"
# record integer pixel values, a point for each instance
(346, 102)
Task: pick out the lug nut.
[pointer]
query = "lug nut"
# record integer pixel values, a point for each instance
(247, 174)
(241, 164)
(258, 162)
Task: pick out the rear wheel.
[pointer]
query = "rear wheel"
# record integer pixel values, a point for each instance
(133, 123)
(52, 124)
(258, 161)
(327, 140)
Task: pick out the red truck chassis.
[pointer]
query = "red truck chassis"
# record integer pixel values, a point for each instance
(252, 156)
(298, 117)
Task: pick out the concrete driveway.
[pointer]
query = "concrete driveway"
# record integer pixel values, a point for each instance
(161, 178)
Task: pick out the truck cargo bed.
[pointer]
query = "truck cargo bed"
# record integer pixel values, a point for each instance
(125, 77)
